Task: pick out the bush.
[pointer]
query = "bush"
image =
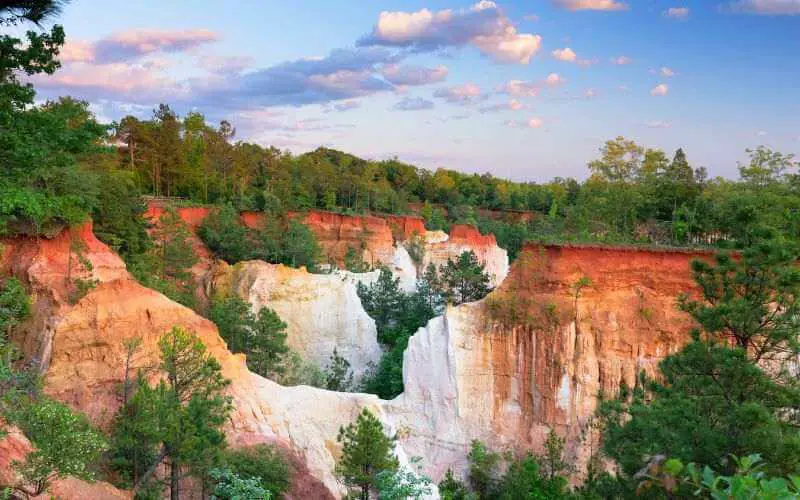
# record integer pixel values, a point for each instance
(262, 462)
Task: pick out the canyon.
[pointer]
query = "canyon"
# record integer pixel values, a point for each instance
(564, 325)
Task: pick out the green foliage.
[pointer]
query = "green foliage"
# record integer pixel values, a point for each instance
(280, 239)
(166, 265)
(64, 442)
(338, 376)
(179, 420)
(713, 402)
(297, 371)
(230, 486)
(261, 337)
(366, 452)
(354, 262)
(451, 488)
(118, 215)
(403, 484)
(397, 316)
(747, 481)
(15, 307)
(464, 279)
(225, 235)
(483, 468)
(751, 299)
(263, 463)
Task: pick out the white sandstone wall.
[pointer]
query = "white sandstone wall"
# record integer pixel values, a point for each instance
(322, 311)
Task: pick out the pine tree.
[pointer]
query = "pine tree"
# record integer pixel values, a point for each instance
(366, 451)
(464, 279)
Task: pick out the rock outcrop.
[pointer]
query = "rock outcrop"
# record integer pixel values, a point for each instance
(322, 311)
(81, 348)
(568, 323)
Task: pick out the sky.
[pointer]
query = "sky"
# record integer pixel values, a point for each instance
(523, 89)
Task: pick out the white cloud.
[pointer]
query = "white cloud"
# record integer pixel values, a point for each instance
(665, 71)
(554, 79)
(407, 75)
(511, 105)
(483, 26)
(660, 90)
(681, 13)
(530, 123)
(566, 54)
(466, 93)
(520, 88)
(766, 7)
(573, 5)
(621, 60)
(590, 93)
(762, 133)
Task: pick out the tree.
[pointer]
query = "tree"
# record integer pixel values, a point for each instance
(230, 486)
(464, 279)
(225, 235)
(261, 337)
(338, 376)
(713, 402)
(64, 442)
(451, 488)
(553, 458)
(483, 466)
(15, 307)
(267, 346)
(190, 408)
(261, 462)
(403, 484)
(366, 452)
(620, 161)
(751, 299)
(382, 300)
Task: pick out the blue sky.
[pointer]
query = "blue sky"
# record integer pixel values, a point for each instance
(521, 89)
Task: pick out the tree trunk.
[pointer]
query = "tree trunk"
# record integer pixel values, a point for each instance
(174, 476)
(142, 480)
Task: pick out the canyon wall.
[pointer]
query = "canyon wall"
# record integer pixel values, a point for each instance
(322, 311)
(81, 349)
(567, 324)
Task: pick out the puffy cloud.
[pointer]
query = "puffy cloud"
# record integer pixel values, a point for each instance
(464, 94)
(531, 123)
(660, 90)
(522, 88)
(665, 71)
(76, 51)
(591, 5)
(566, 54)
(554, 79)
(413, 75)
(658, 124)
(681, 13)
(483, 26)
(766, 7)
(413, 104)
(621, 60)
(511, 105)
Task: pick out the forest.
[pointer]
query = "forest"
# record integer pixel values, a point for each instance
(717, 422)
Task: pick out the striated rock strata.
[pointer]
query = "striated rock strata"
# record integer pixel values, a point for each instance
(566, 324)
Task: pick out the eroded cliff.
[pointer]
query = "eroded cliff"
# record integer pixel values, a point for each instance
(567, 324)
